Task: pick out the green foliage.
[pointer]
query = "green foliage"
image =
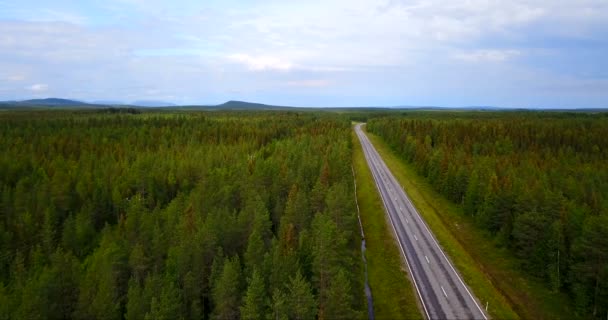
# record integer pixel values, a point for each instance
(137, 303)
(254, 302)
(167, 305)
(254, 255)
(104, 276)
(227, 291)
(339, 298)
(590, 269)
(5, 303)
(329, 254)
(166, 215)
(280, 306)
(302, 304)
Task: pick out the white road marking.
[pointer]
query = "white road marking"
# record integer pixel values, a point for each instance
(427, 259)
(415, 237)
(445, 294)
(406, 221)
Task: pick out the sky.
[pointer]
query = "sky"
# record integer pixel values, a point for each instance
(518, 54)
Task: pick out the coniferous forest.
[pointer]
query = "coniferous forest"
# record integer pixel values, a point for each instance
(135, 214)
(537, 182)
(152, 215)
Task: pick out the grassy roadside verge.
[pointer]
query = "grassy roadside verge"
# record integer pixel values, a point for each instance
(393, 294)
(492, 273)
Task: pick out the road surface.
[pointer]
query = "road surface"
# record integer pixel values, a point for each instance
(442, 293)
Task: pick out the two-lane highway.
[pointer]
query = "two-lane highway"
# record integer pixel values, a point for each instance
(440, 288)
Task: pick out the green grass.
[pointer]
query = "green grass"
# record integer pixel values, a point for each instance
(392, 292)
(491, 272)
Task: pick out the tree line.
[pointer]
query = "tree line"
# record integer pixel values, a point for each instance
(178, 216)
(537, 182)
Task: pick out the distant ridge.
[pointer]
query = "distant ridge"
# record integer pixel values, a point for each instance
(243, 105)
(47, 102)
(60, 102)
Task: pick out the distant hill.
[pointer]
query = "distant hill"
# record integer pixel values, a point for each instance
(58, 102)
(52, 102)
(48, 102)
(243, 105)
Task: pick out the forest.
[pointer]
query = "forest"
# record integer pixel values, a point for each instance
(182, 215)
(536, 182)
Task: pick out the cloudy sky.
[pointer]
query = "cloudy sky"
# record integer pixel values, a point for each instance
(534, 53)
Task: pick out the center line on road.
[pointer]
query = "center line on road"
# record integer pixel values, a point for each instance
(445, 294)
(427, 259)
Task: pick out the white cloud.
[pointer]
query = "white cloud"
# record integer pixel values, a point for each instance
(38, 87)
(355, 34)
(487, 55)
(315, 83)
(16, 77)
(261, 63)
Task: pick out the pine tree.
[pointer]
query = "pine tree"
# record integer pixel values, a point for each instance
(339, 298)
(138, 263)
(301, 301)
(340, 207)
(591, 252)
(48, 231)
(297, 211)
(167, 305)
(60, 284)
(254, 256)
(254, 303)
(327, 252)
(5, 303)
(99, 295)
(227, 291)
(137, 303)
(191, 291)
(317, 197)
(280, 306)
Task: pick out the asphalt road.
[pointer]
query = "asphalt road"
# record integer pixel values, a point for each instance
(442, 292)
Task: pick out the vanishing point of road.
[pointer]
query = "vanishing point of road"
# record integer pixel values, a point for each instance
(442, 293)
